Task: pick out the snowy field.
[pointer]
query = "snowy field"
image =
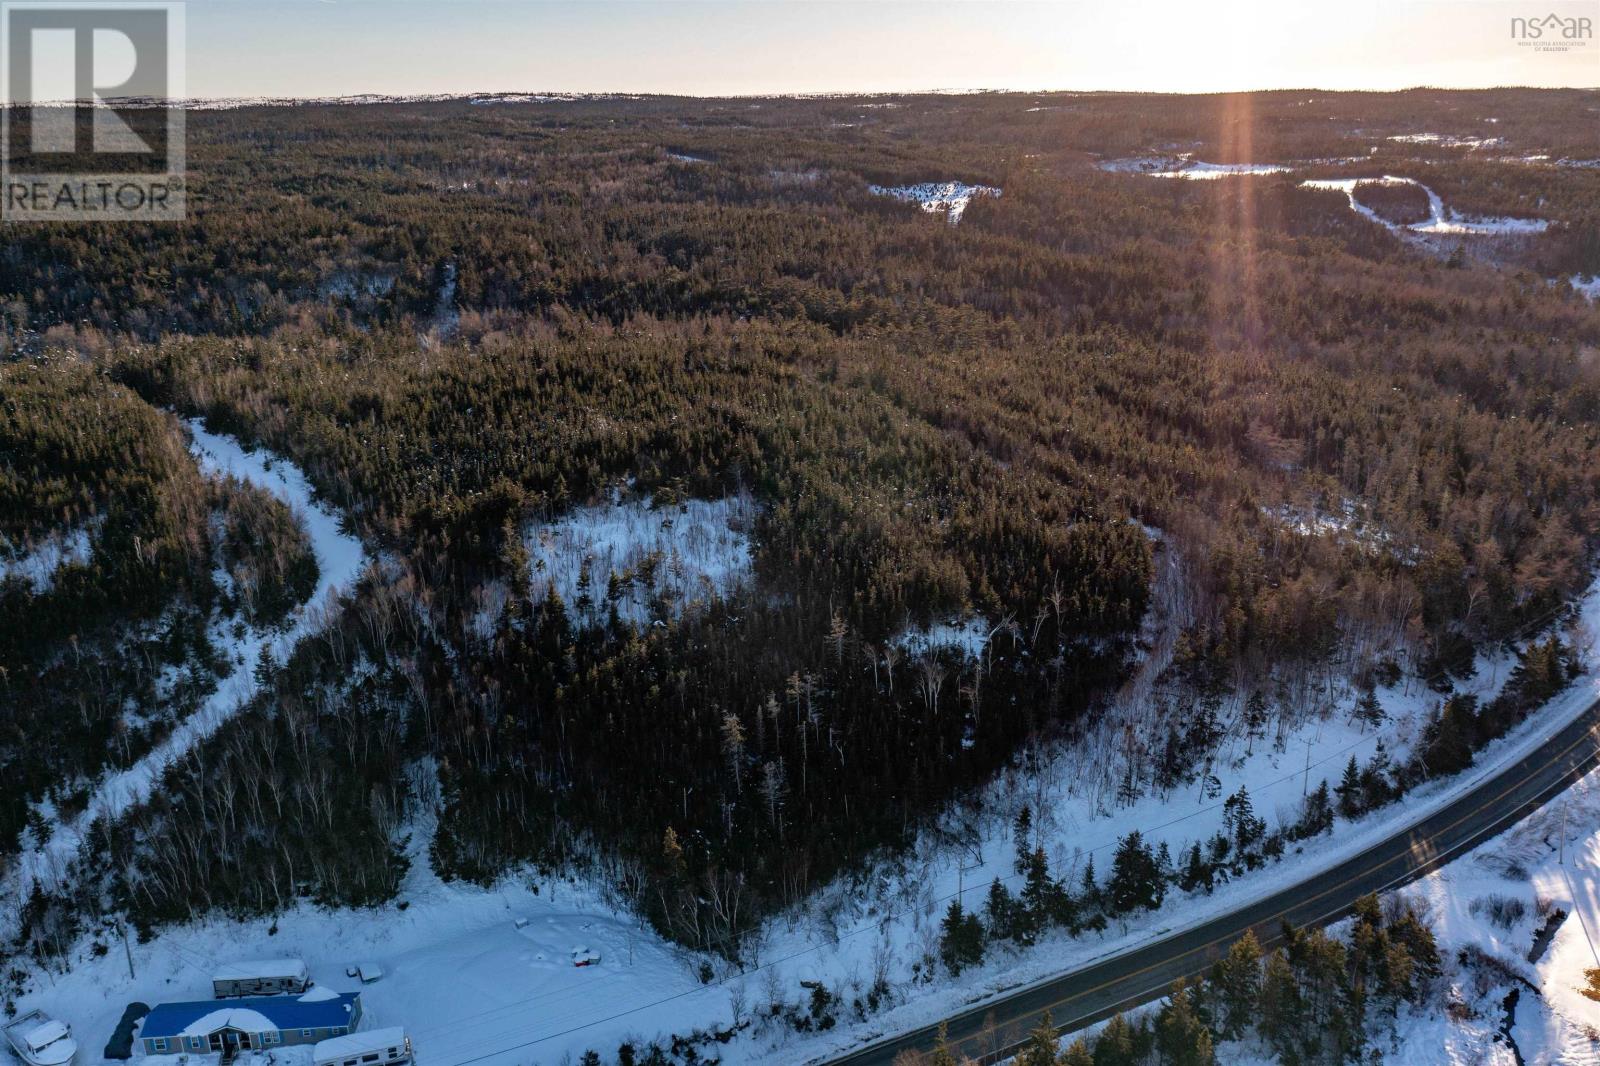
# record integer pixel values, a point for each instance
(951, 197)
(339, 559)
(663, 555)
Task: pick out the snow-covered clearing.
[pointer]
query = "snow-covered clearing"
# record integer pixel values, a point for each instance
(951, 197)
(1447, 140)
(340, 558)
(969, 637)
(1198, 171)
(1349, 524)
(35, 565)
(1440, 221)
(1188, 168)
(1589, 287)
(661, 554)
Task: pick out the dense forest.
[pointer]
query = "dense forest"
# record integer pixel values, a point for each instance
(467, 321)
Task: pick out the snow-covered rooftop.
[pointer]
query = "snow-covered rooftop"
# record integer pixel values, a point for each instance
(251, 969)
(338, 1047)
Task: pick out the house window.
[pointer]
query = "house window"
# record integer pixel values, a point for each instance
(197, 1042)
(160, 1043)
(370, 1058)
(271, 1038)
(306, 1032)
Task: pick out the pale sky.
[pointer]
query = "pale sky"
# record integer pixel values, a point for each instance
(337, 47)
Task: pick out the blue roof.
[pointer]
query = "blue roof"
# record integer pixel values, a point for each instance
(283, 1012)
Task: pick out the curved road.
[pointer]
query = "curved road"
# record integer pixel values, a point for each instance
(993, 1030)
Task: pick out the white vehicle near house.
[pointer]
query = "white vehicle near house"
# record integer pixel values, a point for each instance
(260, 977)
(40, 1040)
(373, 1047)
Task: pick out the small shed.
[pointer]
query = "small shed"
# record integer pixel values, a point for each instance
(263, 1022)
(373, 1047)
(260, 977)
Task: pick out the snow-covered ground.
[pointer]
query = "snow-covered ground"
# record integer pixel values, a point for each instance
(1440, 221)
(1198, 171)
(339, 559)
(1185, 167)
(951, 197)
(35, 565)
(1447, 140)
(969, 637)
(1496, 900)
(466, 971)
(1589, 287)
(667, 553)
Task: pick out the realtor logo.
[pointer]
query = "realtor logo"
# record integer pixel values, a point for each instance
(92, 128)
(1553, 33)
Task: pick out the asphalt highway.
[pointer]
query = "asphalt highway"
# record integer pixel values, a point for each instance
(995, 1029)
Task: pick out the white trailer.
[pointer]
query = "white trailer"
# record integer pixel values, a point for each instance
(260, 977)
(370, 1047)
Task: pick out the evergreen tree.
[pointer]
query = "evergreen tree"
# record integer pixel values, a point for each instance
(1369, 712)
(1450, 737)
(1038, 898)
(1255, 717)
(1041, 1047)
(960, 939)
(1077, 1053)
(1117, 1044)
(1021, 835)
(1181, 1037)
(1197, 872)
(1281, 1013)
(1349, 790)
(943, 1054)
(1237, 977)
(1317, 815)
(1136, 881)
(1001, 912)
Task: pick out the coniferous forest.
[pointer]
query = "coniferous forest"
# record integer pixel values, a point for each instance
(466, 321)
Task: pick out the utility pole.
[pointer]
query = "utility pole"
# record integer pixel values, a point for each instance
(127, 948)
(1563, 852)
(1305, 783)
